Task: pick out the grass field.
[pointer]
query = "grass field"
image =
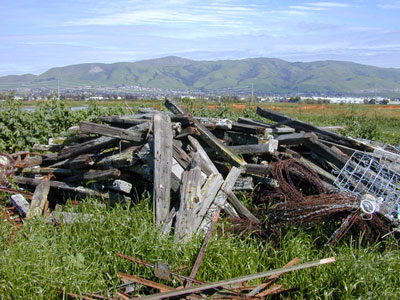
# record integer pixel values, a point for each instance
(44, 261)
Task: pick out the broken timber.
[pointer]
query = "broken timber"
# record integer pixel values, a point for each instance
(217, 284)
(207, 136)
(303, 126)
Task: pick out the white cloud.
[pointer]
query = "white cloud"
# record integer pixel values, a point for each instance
(301, 7)
(328, 4)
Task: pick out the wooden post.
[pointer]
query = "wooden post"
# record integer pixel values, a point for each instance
(162, 167)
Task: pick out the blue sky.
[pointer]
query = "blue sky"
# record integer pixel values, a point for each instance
(36, 35)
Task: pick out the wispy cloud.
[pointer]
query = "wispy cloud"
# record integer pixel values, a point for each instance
(302, 7)
(393, 5)
(329, 4)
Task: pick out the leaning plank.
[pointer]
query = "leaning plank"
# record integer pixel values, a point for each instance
(86, 147)
(159, 286)
(114, 132)
(240, 208)
(208, 193)
(203, 248)
(206, 164)
(71, 188)
(190, 197)
(220, 199)
(217, 284)
(207, 136)
(303, 126)
(162, 167)
(328, 154)
(39, 199)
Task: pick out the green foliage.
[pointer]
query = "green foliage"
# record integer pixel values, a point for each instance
(20, 129)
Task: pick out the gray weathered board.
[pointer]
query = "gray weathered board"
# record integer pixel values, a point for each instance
(162, 167)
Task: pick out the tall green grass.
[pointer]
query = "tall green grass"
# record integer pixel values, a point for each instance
(45, 261)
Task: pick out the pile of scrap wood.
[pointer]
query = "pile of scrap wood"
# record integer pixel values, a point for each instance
(194, 167)
(191, 288)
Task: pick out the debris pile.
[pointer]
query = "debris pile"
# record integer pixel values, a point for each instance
(194, 165)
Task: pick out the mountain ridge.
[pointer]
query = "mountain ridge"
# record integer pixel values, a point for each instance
(266, 75)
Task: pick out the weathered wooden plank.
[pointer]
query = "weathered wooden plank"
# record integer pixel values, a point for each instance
(46, 171)
(71, 188)
(227, 282)
(254, 122)
(29, 162)
(110, 131)
(97, 144)
(86, 147)
(328, 154)
(244, 184)
(124, 121)
(39, 199)
(256, 149)
(75, 163)
(95, 176)
(240, 208)
(190, 199)
(207, 136)
(303, 126)
(125, 159)
(162, 167)
(257, 169)
(206, 164)
(249, 129)
(220, 199)
(240, 138)
(121, 186)
(20, 204)
(224, 124)
(181, 156)
(297, 138)
(208, 192)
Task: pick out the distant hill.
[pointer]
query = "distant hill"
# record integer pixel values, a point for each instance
(268, 75)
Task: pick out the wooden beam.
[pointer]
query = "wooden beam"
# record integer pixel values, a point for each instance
(303, 126)
(256, 149)
(297, 138)
(110, 131)
(217, 284)
(162, 167)
(71, 188)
